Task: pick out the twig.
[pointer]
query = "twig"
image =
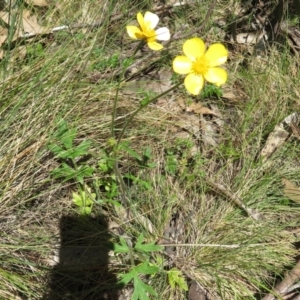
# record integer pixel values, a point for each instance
(255, 215)
(285, 285)
(233, 246)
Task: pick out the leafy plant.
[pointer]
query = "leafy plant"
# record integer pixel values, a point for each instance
(62, 145)
(143, 251)
(143, 160)
(210, 90)
(84, 200)
(171, 164)
(175, 278)
(103, 63)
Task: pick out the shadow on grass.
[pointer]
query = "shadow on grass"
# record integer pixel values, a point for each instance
(82, 271)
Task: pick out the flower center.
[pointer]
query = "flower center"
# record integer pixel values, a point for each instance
(150, 35)
(201, 65)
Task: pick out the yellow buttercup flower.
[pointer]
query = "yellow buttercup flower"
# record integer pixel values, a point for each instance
(147, 32)
(200, 64)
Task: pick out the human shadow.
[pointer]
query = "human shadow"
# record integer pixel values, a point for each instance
(82, 271)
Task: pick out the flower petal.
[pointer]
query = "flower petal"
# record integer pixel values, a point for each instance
(194, 83)
(134, 32)
(155, 46)
(182, 65)
(194, 48)
(216, 55)
(216, 76)
(151, 20)
(141, 21)
(162, 34)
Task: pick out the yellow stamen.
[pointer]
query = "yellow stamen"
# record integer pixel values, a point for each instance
(200, 66)
(150, 35)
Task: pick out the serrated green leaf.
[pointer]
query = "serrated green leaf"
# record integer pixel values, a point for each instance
(145, 101)
(139, 181)
(175, 277)
(149, 247)
(148, 288)
(103, 165)
(76, 199)
(145, 268)
(64, 171)
(68, 138)
(126, 278)
(81, 149)
(64, 154)
(86, 210)
(83, 200)
(85, 171)
(146, 247)
(54, 148)
(125, 146)
(140, 288)
(123, 248)
(62, 127)
(139, 293)
(139, 240)
(78, 151)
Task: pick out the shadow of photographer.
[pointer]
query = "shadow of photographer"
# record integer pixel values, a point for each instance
(82, 271)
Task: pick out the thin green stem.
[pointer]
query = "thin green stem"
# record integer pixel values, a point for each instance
(113, 116)
(139, 46)
(143, 106)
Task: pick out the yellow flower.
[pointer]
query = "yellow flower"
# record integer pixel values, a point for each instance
(147, 32)
(200, 65)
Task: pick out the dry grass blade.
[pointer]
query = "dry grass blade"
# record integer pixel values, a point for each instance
(41, 3)
(291, 191)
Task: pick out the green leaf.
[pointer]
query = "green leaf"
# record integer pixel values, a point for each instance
(64, 171)
(125, 146)
(146, 247)
(123, 248)
(139, 181)
(64, 154)
(83, 200)
(171, 164)
(147, 153)
(145, 268)
(103, 165)
(175, 277)
(145, 101)
(62, 127)
(86, 210)
(140, 288)
(55, 149)
(113, 202)
(68, 138)
(139, 292)
(148, 288)
(83, 171)
(81, 149)
(126, 278)
(72, 153)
